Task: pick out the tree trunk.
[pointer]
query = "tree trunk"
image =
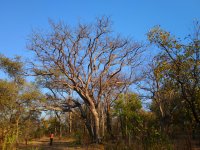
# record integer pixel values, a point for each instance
(87, 121)
(70, 122)
(60, 130)
(17, 130)
(60, 127)
(109, 124)
(103, 122)
(195, 110)
(122, 123)
(96, 125)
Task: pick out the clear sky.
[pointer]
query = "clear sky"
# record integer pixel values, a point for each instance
(130, 17)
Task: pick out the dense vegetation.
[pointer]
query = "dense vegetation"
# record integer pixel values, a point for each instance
(85, 81)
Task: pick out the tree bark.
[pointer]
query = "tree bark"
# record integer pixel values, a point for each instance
(96, 125)
(17, 130)
(70, 122)
(103, 122)
(109, 124)
(87, 122)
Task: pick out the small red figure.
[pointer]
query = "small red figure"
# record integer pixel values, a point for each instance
(51, 138)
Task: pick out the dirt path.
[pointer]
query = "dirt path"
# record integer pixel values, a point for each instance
(67, 144)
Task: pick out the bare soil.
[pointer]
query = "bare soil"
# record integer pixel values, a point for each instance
(63, 144)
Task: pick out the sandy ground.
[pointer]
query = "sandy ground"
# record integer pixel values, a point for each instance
(65, 144)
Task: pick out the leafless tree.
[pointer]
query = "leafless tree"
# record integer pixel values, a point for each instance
(87, 59)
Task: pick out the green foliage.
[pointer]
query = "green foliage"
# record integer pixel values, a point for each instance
(127, 108)
(8, 92)
(12, 67)
(127, 105)
(164, 39)
(175, 88)
(17, 99)
(9, 141)
(179, 63)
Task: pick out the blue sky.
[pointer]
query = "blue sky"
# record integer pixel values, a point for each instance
(130, 17)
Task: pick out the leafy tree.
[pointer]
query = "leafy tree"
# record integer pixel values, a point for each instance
(179, 61)
(17, 98)
(127, 108)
